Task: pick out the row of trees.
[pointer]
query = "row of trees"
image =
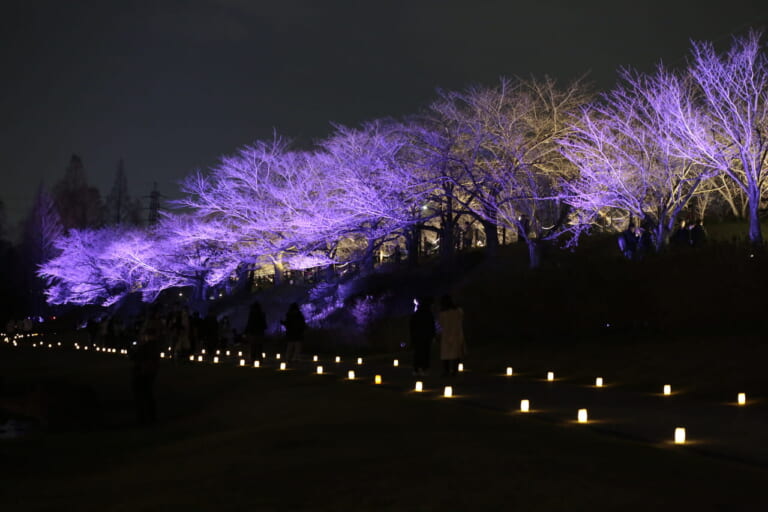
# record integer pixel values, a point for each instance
(543, 161)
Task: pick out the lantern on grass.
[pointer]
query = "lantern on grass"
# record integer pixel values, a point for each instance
(277, 356)
(741, 398)
(351, 375)
(199, 359)
(227, 353)
(396, 363)
(319, 370)
(162, 355)
(679, 435)
(359, 360)
(338, 359)
(257, 364)
(550, 376)
(191, 358)
(377, 379)
(599, 382)
(242, 362)
(314, 359)
(509, 371)
(667, 389)
(263, 355)
(419, 386)
(202, 351)
(461, 367)
(448, 391)
(239, 353)
(282, 366)
(218, 352)
(581, 416)
(525, 405)
(215, 359)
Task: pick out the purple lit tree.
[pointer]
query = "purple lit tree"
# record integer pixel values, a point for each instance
(626, 161)
(730, 132)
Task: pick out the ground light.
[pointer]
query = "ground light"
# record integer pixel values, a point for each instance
(199, 359)
(377, 379)
(282, 366)
(581, 416)
(461, 367)
(257, 364)
(359, 360)
(203, 351)
(396, 363)
(550, 376)
(667, 389)
(351, 375)
(319, 370)
(741, 398)
(277, 356)
(525, 405)
(192, 358)
(338, 359)
(599, 382)
(162, 355)
(314, 359)
(215, 359)
(679, 435)
(227, 353)
(509, 371)
(448, 391)
(419, 386)
(242, 362)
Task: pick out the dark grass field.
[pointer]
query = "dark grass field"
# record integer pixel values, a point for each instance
(244, 439)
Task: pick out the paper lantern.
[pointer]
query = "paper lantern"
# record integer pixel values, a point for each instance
(448, 391)
(263, 355)
(581, 416)
(741, 398)
(351, 375)
(461, 367)
(395, 363)
(277, 356)
(218, 352)
(191, 358)
(377, 379)
(667, 389)
(242, 362)
(509, 371)
(550, 376)
(599, 382)
(239, 353)
(319, 370)
(215, 359)
(199, 359)
(419, 387)
(162, 355)
(338, 359)
(359, 360)
(282, 366)
(525, 405)
(679, 435)
(314, 359)
(227, 353)
(203, 351)
(257, 364)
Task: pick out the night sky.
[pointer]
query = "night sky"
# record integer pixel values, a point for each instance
(171, 85)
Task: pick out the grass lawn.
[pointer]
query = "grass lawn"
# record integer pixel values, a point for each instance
(237, 439)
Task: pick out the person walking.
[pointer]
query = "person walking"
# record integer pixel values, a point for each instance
(422, 330)
(295, 325)
(452, 345)
(254, 331)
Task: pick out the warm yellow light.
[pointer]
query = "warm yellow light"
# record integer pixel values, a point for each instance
(239, 353)
(351, 375)
(525, 405)
(679, 435)
(448, 391)
(359, 360)
(314, 359)
(581, 416)
(203, 351)
(319, 370)
(377, 379)
(242, 362)
(667, 389)
(162, 355)
(741, 398)
(338, 359)
(509, 371)
(191, 358)
(419, 386)
(263, 355)
(395, 363)
(599, 382)
(550, 376)
(277, 356)
(256, 364)
(218, 352)
(215, 359)
(227, 353)
(199, 359)
(282, 366)
(461, 367)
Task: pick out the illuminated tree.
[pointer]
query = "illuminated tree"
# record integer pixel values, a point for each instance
(41, 230)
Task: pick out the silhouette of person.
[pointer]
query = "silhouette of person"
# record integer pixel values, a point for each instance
(452, 345)
(422, 331)
(295, 326)
(254, 330)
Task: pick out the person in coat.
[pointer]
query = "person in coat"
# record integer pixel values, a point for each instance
(452, 346)
(254, 330)
(422, 331)
(295, 325)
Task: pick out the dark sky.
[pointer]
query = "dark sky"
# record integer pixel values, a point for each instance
(171, 85)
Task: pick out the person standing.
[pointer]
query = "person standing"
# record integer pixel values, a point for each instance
(452, 345)
(254, 330)
(295, 325)
(422, 330)
(145, 358)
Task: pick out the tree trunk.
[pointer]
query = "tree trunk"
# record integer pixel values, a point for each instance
(534, 253)
(491, 237)
(755, 233)
(412, 245)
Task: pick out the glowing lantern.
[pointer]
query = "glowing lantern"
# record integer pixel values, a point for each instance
(338, 359)
(448, 391)
(199, 359)
(377, 379)
(599, 382)
(191, 358)
(319, 370)
(162, 355)
(461, 367)
(227, 353)
(277, 356)
(667, 389)
(741, 398)
(203, 351)
(263, 355)
(282, 366)
(218, 352)
(509, 371)
(581, 417)
(314, 359)
(395, 363)
(215, 359)
(419, 387)
(525, 405)
(351, 375)
(242, 362)
(679, 435)
(256, 364)
(239, 353)
(550, 376)
(50, 346)
(359, 360)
